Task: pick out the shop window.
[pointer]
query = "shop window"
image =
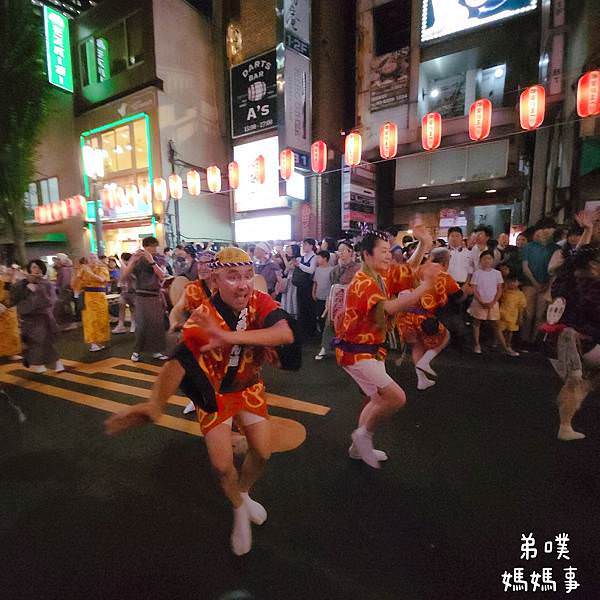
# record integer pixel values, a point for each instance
(141, 144)
(135, 38)
(43, 191)
(123, 149)
(112, 51)
(109, 149)
(391, 26)
(115, 48)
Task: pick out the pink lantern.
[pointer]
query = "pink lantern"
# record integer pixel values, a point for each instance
(353, 148)
(234, 175)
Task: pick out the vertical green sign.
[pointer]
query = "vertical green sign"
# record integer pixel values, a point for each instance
(102, 59)
(58, 49)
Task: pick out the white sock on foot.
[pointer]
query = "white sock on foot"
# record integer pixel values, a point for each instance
(241, 535)
(422, 382)
(190, 407)
(424, 365)
(256, 511)
(379, 454)
(363, 442)
(567, 434)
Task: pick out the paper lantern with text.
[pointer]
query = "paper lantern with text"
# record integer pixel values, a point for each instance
(353, 148)
(175, 186)
(588, 94)
(131, 194)
(160, 189)
(36, 214)
(42, 216)
(318, 156)
(193, 183)
(532, 107)
(259, 169)
(81, 200)
(388, 140)
(107, 199)
(233, 170)
(146, 192)
(480, 119)
(286, 163)
(64, 210)
(431, 131)
(213, 178)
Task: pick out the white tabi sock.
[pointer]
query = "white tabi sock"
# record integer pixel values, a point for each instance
(256, 511)
(241, 535)
(423, 363)
(422, 382)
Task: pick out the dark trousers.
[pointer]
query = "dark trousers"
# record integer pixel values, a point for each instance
(307, 319)
(320, 306)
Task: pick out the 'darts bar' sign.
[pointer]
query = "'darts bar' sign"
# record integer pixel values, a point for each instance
(58, 49)
(254, 95)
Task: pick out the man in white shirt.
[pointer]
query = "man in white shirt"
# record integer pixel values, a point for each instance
(483, 235)
(461, 261)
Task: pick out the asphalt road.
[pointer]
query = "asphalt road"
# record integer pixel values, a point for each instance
(474, 465)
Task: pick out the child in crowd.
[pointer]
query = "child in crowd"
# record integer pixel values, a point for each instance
(487, 286)
(512, 308)
(322, 285)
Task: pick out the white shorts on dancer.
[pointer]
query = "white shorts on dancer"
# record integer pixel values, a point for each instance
(370, 375)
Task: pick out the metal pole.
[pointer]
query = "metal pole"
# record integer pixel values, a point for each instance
(176, 203)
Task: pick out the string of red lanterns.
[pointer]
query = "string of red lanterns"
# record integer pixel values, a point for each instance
(532, 109)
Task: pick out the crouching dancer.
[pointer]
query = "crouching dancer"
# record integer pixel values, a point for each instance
(361, 335)
(218, 365)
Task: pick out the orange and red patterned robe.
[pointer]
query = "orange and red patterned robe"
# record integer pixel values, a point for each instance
(410, 322)
(364, 321)
(243, 388)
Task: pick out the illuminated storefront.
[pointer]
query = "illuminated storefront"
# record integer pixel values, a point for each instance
(126, 148)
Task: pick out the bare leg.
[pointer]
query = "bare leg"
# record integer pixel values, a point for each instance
(508, 335)
(476, 330)
(500, 337)
(570, 398)
(380, 408)
(218, 443)
(259, 452)
(167, 383)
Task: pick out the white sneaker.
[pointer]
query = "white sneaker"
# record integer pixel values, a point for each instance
(322, 354)
(58, 366)
(120, 329)
(96, 347)
(37, 368)
(160, 356)
(135, 357)
(190, 408)
(132, 328)
(354, 455)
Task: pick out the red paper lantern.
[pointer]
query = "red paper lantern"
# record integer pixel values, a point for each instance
(388, 140)
(105, 198)
(55, 208)
(193, 183)
(64, 209)
(233, 171)
(588, 94)
(532, 107)
(318, 156)
(286, 163)
(480, 119)
(160, 189)
(431, 131)
(75, 205)
(175, 186)
(353, 148)
(36, 214)
(213, 178)
(259, 169)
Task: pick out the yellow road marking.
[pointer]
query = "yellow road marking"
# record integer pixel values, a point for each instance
(287, 434)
